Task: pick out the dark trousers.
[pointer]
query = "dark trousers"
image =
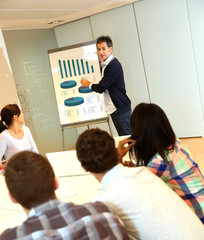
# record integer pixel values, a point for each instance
(121, 122)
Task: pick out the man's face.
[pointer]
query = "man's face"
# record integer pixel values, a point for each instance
(103, 51)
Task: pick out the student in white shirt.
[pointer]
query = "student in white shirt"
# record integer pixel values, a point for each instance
(147, 206)
(14, 137)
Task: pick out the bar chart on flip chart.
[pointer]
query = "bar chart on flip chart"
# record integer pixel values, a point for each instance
(74, 67)
(69, 65)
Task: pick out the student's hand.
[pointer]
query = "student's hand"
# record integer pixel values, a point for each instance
(85, 83)
(2, 164)
(124, 146)
(129, 164)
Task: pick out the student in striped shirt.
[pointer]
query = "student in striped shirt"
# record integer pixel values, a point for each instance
(157, 147)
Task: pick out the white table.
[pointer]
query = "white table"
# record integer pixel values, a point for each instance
(10, 213)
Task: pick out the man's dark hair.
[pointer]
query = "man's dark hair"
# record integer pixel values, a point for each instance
(30, 179)
(106, 39)
(96, 151)
(152, 131)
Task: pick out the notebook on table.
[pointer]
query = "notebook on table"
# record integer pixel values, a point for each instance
(65, 164)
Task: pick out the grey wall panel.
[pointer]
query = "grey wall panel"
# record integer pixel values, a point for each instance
(72, 33)
(120, 24)
(169, 63)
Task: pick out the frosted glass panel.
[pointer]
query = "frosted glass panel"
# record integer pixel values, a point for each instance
(27, 50)
(196, 17)
(169, 63)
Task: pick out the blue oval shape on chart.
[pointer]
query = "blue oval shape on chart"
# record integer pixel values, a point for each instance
(84, 89)
(68, 84)
(74, 101)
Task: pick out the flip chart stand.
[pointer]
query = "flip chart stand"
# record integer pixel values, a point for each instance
(85, 123)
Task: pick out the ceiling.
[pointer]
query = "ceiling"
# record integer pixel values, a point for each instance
(34, 14)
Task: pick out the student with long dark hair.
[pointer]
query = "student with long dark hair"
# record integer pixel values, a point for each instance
(157, 147)
(14, 137)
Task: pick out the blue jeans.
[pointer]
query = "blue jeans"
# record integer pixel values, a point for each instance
(121, 122)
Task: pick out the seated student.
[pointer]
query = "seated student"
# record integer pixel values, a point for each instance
(31, 183)
(14, 137)
(157, 147)
(147, 206)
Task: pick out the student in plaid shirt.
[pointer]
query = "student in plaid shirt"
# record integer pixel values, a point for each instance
(31, 182)
(157, 147)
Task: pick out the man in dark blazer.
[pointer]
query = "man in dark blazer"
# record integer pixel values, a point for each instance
(112, 85)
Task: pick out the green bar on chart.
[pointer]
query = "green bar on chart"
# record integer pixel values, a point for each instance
(60, 66)
(79, 71)
(70, 70)
(65, 68)
(87, 67)
(73, 65)
(82, 65)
